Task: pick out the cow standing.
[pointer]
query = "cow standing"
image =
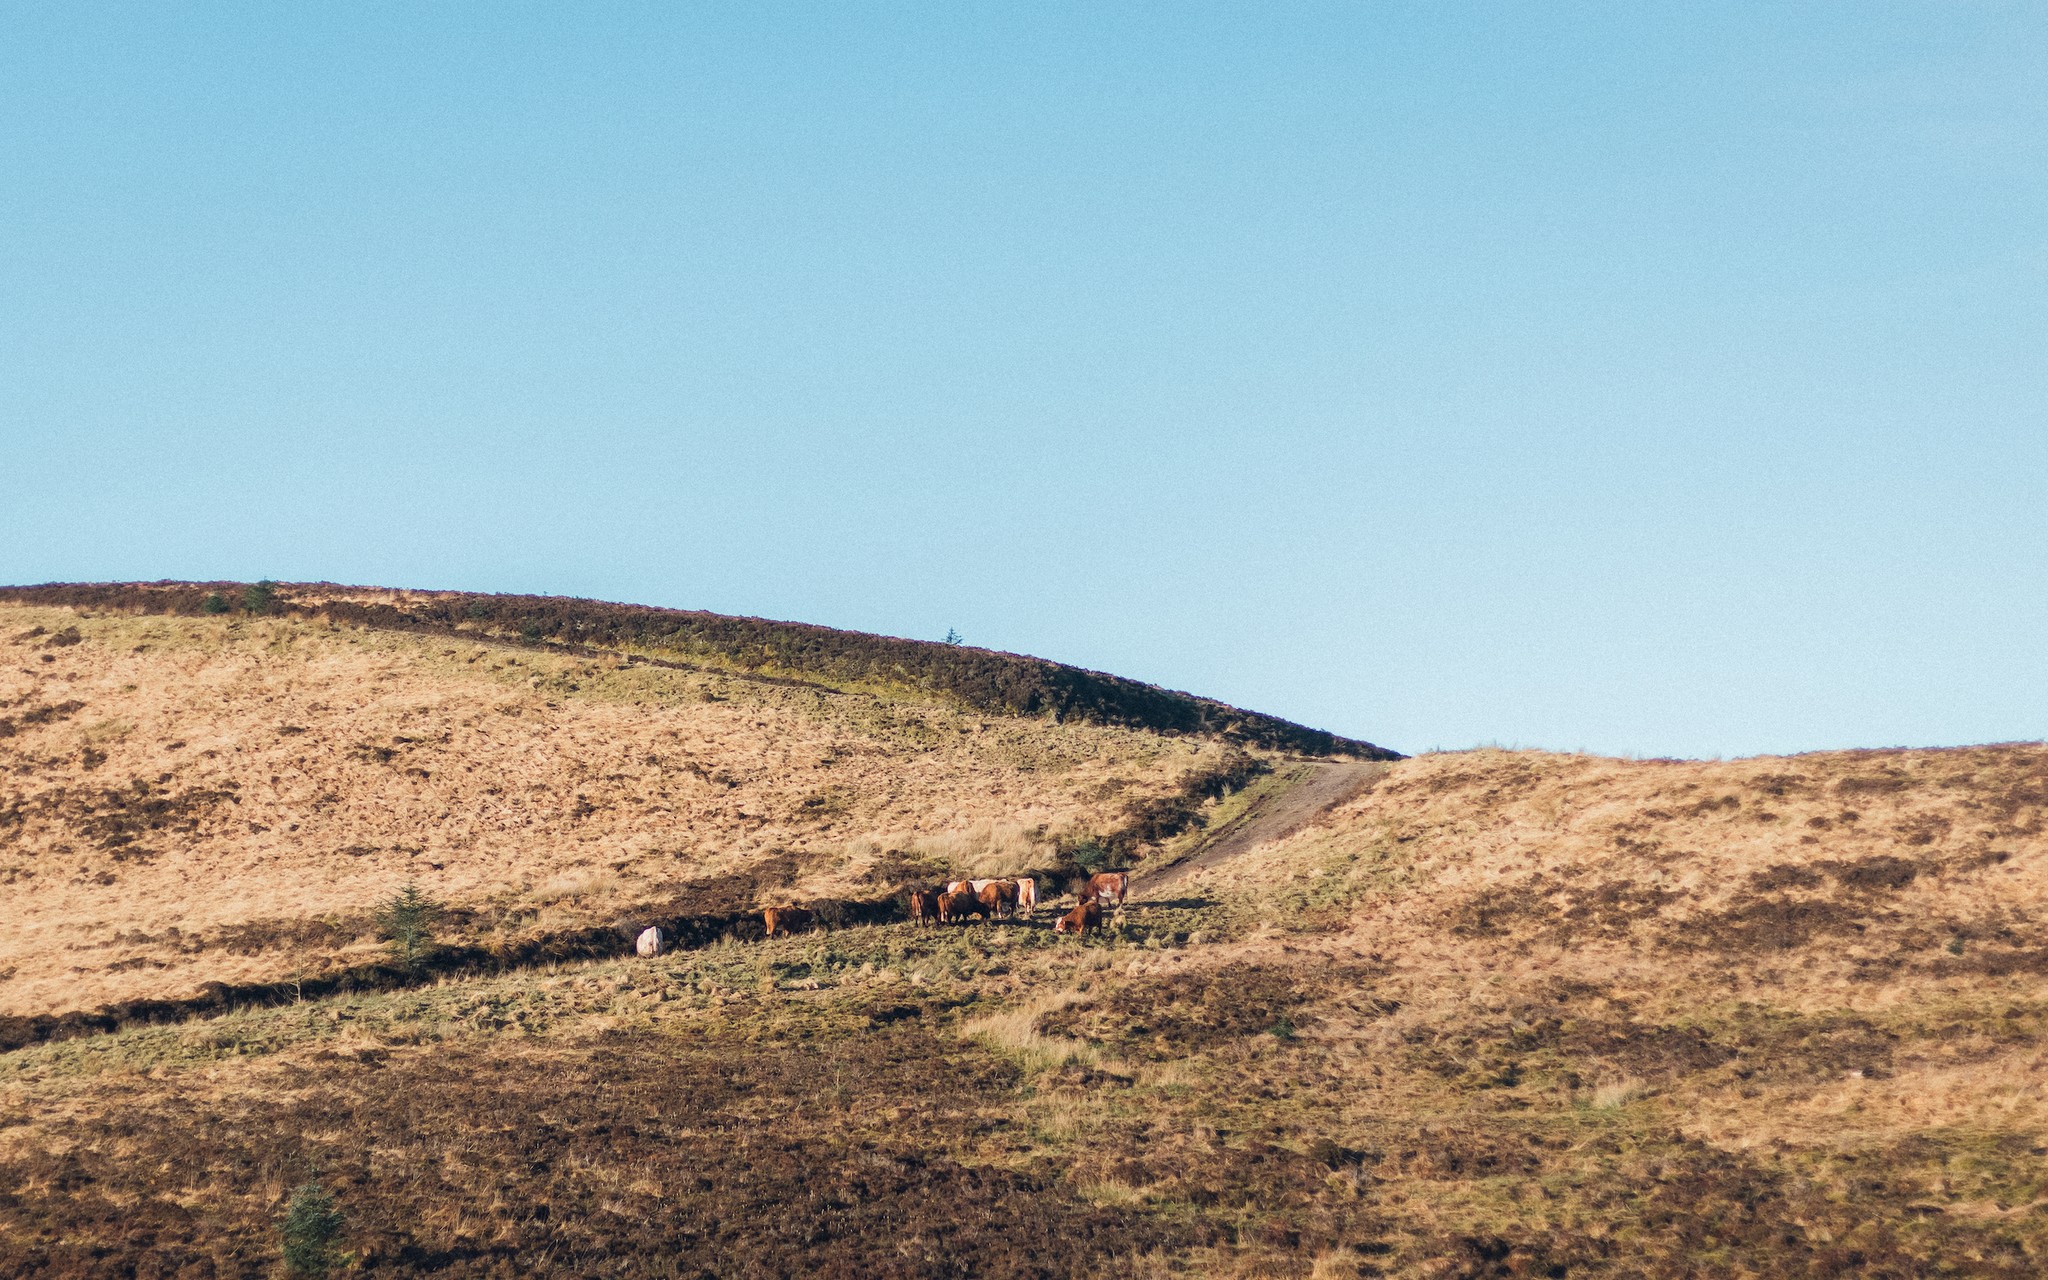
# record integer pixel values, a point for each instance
(786, 920)
(1082, 919)
(997, 898)
(956, 906)
(924, 906)
(1108, 886)
(1027, 896)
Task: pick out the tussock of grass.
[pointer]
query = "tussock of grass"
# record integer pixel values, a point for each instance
(1013, 1033)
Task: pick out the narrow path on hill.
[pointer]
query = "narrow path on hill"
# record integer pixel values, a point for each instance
(1305, 792)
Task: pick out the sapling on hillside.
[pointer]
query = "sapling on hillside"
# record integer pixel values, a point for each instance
(312, 1222)
(261, 598)
(407, 922)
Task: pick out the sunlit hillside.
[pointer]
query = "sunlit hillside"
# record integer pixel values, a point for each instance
(223, 798)
(1469, 1015)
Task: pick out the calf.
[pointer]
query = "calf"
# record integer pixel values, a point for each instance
(786, 920)
(648, 943)
(997, 898)
(956, 906)
(1081, 919)
(924, 906)
(1110, 886)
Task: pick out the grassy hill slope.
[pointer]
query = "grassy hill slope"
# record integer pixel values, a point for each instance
(1500, 1014)
(222, 798)
(970, 678)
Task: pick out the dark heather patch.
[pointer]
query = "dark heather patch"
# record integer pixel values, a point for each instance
(1785, 876)
(253, 937)
(116, 816)
(1670, 1206)
(1874, 874)
(1559, 910)
(34, 717)
(632, 1156)
(1885, 783)
(1754, 925)
(1169, 1017)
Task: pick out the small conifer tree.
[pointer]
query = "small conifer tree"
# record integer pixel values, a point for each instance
(260, 598)
(407, 923)
(312, 1224)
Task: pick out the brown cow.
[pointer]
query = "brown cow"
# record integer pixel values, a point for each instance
(786, 920)
(956, 906)
(998, 898)
(924, 906)
(1111, 886)
(1081, 919)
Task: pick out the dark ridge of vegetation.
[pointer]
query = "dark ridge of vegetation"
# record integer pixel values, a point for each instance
(985, 680)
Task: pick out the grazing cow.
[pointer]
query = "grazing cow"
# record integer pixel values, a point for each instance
(648, 943)
(924, 906)
(786, 920)
(1081, 919)
(956, 906)
(961, 886)
(1027, 896)
(997, 898)
(1109, 886)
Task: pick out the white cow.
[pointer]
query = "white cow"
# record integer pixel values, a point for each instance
(649, 942)
(1027, 896)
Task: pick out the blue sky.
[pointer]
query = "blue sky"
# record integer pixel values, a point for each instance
(1656, 379)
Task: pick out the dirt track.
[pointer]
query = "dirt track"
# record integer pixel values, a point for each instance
(1308, 790)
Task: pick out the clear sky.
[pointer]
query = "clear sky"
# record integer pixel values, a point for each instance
(1642, 378)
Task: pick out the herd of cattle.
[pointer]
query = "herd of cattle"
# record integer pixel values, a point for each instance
(960, 900)
(957, 902)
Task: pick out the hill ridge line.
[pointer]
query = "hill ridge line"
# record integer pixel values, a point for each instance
(801, 653)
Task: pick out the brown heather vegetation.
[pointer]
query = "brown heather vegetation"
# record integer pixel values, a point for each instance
(1500, 1014)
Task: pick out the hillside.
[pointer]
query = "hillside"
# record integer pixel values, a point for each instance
(965, 677)
(223, 798)
(1473, 1014)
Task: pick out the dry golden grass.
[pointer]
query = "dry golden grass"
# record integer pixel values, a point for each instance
(223, 773)
(1899, 895)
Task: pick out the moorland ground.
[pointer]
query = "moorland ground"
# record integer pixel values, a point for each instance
(1499, 1013)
